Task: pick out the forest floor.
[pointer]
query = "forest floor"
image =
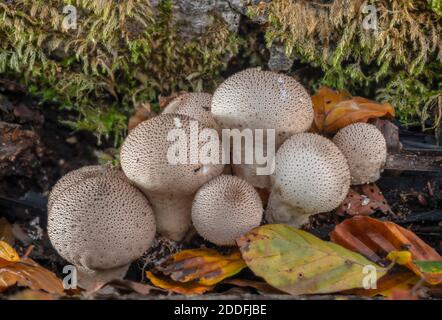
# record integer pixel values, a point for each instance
(36, 150)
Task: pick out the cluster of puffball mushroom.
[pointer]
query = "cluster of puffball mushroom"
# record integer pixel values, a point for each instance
(102, 218)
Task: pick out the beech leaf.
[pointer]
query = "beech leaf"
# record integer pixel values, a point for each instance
(296, 262)
(378, 239)
(336, 109)
(206, 266)
(186, 288)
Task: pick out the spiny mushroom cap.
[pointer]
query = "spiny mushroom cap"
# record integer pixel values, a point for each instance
(226, 208)
(144, 157)
(311, 174)
(102, 222)
(258, 99)
(75, 176)
(365, 148)
(195, 105)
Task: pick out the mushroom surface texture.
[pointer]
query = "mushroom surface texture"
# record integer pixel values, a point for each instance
(312, 176)
(365, 148)
(195, 105)
(160, 164)
(100, 224)
(226, 208)
(257, 99)
(75, 176)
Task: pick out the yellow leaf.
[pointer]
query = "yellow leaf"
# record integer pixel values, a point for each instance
(186, 288)
(6, 231)
(8, 253)
(205, 266)
(297, 262)
(400, 257)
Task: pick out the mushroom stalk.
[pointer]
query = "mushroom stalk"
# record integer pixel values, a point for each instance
(279, 211)
(89, 278)
(172, 213)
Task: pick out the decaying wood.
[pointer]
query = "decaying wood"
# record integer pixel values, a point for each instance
(408, 161)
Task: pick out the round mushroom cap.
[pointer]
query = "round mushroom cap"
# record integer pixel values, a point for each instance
(101, 223)
(365, 148)
(146, 156)
(195, 105)
(259, 99)
(226, 208)
(311, 174)
(75, 176)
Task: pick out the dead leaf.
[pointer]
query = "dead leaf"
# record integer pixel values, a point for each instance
(6, 234)
(163, 101)
(205, 266)
(29, 294)
(25, 272)
(376, 239)
(142, 113)
(297, 262)
(8, 253)
(363, 200)
(123, 285)
(28, 273)
(187, 288)
(402, 280)
(402, 294)
(260, 286)
(337, 109)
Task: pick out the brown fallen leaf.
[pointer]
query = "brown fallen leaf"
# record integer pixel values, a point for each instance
(29, 294)
(163, 101)
(187, 288)
(324, 100)
(260, 286)
(363, 200)
(402, 294)
(122, 285)
(6, 234)
(337, 109)
(402, 280)
(142, 113)
(376, 239)
(25, 272)
(205, 266)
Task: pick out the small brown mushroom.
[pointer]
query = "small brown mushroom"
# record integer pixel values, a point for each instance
(365, 148)
(257, 99)
(226, 208)
(100, 223)
(145, 159)
(311, 176)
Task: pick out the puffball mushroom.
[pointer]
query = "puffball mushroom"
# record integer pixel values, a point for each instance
(100, 224)
(145, 159)
(75, 176)
(226, 208)
(195, 105)
(365, 148)
(259, 99)
(311, 176)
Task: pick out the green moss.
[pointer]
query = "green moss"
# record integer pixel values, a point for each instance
(436, 6)
(121, 54)
(394, 62)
